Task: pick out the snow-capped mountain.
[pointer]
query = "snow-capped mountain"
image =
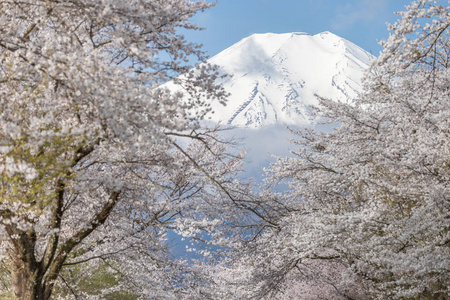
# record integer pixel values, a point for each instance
(275, 77)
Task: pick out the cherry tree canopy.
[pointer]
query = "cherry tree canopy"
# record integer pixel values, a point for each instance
(96, 161)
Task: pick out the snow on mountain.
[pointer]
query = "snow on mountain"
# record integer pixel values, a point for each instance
(275, 77)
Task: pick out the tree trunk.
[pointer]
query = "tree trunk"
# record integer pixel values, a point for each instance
(27, 281)
(26, 278)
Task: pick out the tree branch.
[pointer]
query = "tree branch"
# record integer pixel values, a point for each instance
(65, 249)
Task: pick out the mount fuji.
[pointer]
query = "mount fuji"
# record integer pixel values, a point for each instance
(275, 78)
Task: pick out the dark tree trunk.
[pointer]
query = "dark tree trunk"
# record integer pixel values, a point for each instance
(26, 271)
(33, 279)
(27, 281)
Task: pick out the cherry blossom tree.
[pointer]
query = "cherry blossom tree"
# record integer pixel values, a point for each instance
(373, 194)
(97, 162)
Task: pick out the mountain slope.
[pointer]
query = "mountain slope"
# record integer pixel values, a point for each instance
(275, 77)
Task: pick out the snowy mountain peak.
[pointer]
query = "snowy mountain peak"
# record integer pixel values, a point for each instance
(275, 77)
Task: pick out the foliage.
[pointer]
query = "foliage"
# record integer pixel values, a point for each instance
(100, 280)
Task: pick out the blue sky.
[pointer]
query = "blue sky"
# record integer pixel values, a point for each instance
(362, 22)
